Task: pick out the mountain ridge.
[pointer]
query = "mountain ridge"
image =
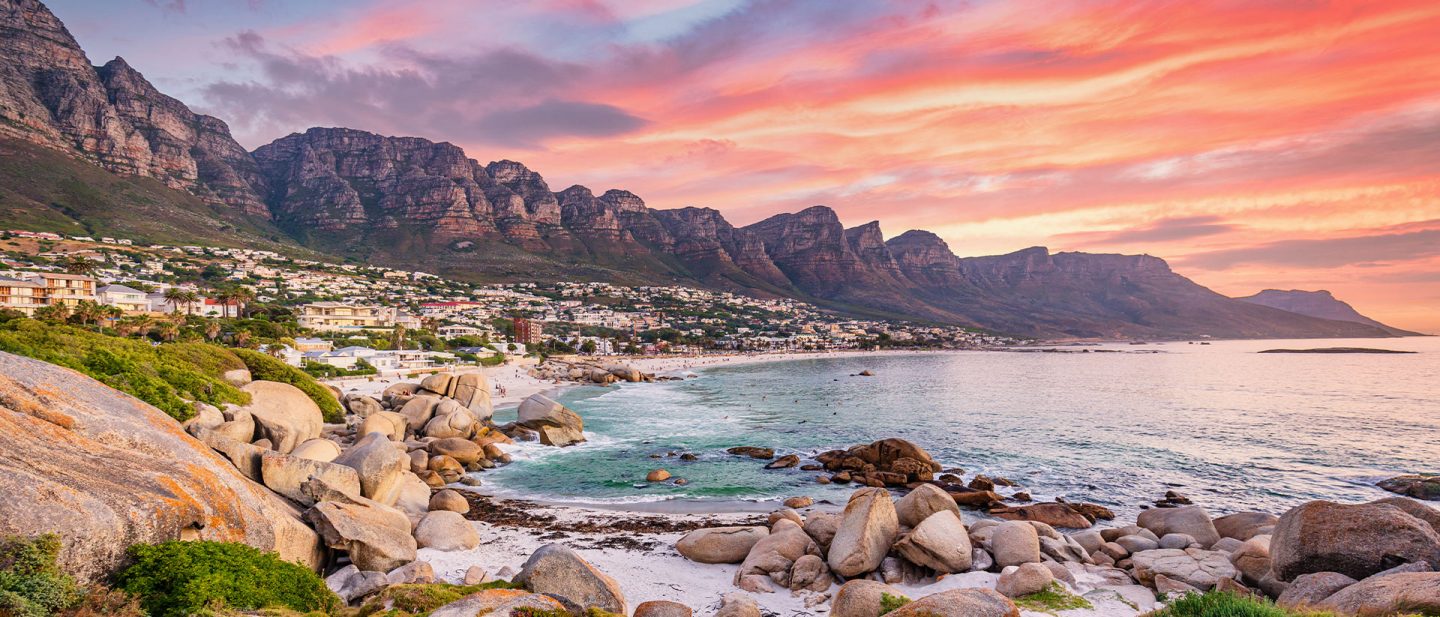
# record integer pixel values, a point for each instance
(1319, 303)
(413, 202)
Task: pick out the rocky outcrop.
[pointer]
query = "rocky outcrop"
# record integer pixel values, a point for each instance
(720, 544)
(106, 471)
(556, 570)
(1321, 304)
(1354, 540)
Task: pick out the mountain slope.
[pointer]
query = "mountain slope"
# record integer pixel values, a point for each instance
(1321, 304)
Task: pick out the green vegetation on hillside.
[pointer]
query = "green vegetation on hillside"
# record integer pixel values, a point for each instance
(31, 585)
(45, 190)
(169, 376)
(263, 367)
(177, 579)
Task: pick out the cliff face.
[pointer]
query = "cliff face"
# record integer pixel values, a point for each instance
(111, 116)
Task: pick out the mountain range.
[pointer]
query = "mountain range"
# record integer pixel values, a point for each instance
(100, 148)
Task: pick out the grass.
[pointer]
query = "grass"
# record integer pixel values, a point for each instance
(420, 600)
(889, 603)
(1226, 604)
(168, 376)
(1053, 599)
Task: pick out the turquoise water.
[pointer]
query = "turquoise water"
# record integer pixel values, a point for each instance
(1229, 427)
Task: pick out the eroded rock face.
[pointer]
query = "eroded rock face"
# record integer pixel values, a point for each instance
(1354, 540)
(1408, 593)
(156, 483)
(940, 543)
(960, 603)
(1195, 567)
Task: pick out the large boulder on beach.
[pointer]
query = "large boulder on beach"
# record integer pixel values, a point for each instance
(861, 598)
(1245, 525)
(283, 414)
(1410, 593)
(362, 405)
(387, 423)
(556, 423)
(1195, 567)
(720, 544)
(1354, 540)
(774, 557)
(556, 570)
(379, 463)
(1024, 580)
(1192, 521)
(867, 530)
(464, 451)
(458, 423)
(106, 471)
(940, 543)
(445, 530)
(1013, 543)
(959, 603)
(920, 503)
(320, 449)
(418, 411)
(472, 391)
(1414, 508)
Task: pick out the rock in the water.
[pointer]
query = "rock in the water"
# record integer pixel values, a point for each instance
(1195, 567)
(784, 462)
(1192, 521)
(1245, 525)
(940, 543)
(959, 603)
(1418, 486)
(867, 530)
(919, 504)
(1311, 589)
(446, 531)
(861, 598)
(1014, 543)
(82, 460)
(1052, 514)
(799, 502)
(555, 569)
(720, 544)
(283, 414)
(1354, 540)
(1408, 593)
(1024, 580)
(556, 423)
(657, 475)
(377, 537)
(753, 452)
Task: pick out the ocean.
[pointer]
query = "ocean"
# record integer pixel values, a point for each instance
(1119, 425)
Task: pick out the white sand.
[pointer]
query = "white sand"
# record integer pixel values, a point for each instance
(663, 574)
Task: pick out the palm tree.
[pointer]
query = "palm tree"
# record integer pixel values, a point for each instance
(191, 297)
(78, 265)
(86, 311)
(242, 297)
(242, 338)
(397, 337)
(109, 313)
(174, 297)
(55, 313)
(224, 297)
(212, 330)
(167, 329)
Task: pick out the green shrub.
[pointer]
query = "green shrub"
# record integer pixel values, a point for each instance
(167, 376)
(406, 600)
(31, 584)
(889, 603)
(1053, 599)
(177, 579)
(263, 367)
(1226, 604)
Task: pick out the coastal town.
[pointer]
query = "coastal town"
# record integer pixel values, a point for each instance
(359, 317)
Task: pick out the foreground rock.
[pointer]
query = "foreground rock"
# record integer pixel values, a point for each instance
(1195, 567)
(920, 503)
(861, 598)
(376, 537)
(556, 570)
(1354, 540)
(1413, 593)
(867, 530)
(940, 543)
(80, 459)
(500, 602)
(959, 603)
(1192, 521)
(283, 414)
(720, 544)
(773, 558)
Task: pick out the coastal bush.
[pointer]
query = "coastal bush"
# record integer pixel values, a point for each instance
(411, 600)
(890, 603)
(1226, 604)
(263, 367)
(31, 584)
(1052, 599)
(177, 579)
(168, 376)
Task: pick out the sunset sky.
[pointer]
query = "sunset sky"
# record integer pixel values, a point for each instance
(1251, 143)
